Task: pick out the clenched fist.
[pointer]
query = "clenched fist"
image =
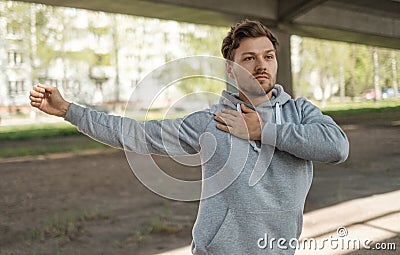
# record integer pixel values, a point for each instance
(49, 100)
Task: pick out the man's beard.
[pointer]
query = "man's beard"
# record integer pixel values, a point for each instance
(251, 92)
(268, 87)
(255, 90)
(250, 87)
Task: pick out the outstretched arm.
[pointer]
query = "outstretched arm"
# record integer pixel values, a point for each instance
(49, 100)
(173, 137)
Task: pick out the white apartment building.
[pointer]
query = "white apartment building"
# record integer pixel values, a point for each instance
(15, 66)
(127, 49)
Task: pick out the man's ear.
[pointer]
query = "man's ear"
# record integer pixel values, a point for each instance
(229, 69)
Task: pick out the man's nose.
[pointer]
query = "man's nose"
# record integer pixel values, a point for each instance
(261, 65)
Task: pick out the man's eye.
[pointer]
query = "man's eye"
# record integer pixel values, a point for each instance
(249, 58)
(269, 57)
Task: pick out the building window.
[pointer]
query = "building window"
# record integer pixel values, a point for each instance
(14, 58)
(16, 87)
(13, 29)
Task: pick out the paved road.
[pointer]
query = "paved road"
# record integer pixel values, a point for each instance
(345, 229)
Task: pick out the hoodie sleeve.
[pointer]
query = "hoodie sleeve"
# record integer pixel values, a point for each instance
(172, 137)
(317, 137)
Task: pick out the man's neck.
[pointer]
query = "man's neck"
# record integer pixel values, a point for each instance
(255, 101)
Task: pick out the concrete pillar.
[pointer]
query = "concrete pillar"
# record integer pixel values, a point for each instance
(284, 60)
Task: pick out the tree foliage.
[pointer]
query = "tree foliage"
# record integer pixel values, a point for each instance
(320, 63)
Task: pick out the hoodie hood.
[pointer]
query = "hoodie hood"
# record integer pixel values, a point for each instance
(279, 98)
(231, 100)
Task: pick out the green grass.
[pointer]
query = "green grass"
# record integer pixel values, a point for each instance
(367, 112)
(35, 150)
(69, 226)
(157, 224)
(356, 111)
(349, 108)
(25, 132)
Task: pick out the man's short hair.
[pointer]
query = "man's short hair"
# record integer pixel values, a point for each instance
(244, 29)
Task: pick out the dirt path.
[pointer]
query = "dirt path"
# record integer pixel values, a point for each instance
(95, 205)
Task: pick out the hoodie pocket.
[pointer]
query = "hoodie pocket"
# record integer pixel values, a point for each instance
(222, 237)
(256, 233)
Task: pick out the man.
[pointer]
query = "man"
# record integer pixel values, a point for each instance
(258, 174)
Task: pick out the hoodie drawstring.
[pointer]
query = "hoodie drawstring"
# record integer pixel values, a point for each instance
(278, 121)
(278, 118)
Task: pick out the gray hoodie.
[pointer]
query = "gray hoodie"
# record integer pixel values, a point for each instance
(253, 192)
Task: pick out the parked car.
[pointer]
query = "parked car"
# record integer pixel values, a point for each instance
(370, 94)
(389, 93)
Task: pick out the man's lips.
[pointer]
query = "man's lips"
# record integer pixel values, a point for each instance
(261, 77)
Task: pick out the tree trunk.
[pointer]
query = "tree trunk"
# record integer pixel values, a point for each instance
(377, 87)
(353, 72)
(323, 88)
(33, 51)
(341, 81)
(116, 60)
(394, 72)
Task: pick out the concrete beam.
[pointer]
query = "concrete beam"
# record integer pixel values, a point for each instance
(341, 35)
(289, 10)
(265, 9)
(334, 21)
(225, 13)
(386, 8)
(334, 16)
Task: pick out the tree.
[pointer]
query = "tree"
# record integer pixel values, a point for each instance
(394, 73)
(377, 87)
(116, 49)
(362, 73)
(202, 40)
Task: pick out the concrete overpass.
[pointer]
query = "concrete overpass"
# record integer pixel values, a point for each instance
(369, 22)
